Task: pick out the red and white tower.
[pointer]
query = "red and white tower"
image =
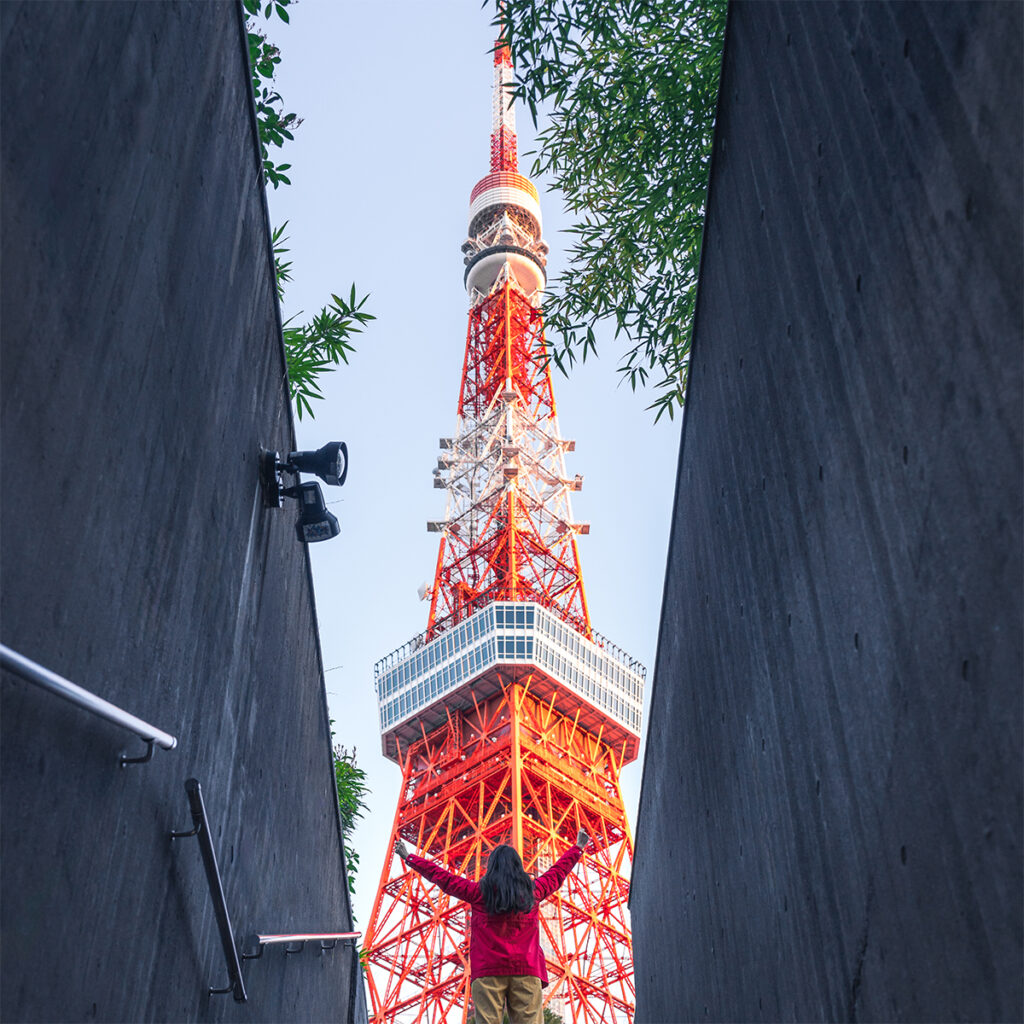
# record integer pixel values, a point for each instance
(510, 717)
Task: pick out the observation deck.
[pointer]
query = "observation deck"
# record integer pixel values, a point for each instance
(417, 684)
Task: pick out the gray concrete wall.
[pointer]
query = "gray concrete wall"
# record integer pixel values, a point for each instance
(141, 371)
(830, 819)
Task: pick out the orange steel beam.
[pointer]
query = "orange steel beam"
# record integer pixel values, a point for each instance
(516, 770)
(523, 781)
(507, 557)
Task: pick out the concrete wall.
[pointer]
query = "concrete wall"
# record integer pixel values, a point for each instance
(141, 371)
(830, 819)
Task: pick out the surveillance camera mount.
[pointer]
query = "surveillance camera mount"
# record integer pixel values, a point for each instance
(329, 462)
(271, 468)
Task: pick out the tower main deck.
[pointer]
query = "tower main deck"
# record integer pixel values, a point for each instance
(423, 682)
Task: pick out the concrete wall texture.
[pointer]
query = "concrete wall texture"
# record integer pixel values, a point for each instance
(142, 369)
(830, 817)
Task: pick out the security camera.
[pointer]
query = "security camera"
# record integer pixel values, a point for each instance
(330, 463)
(315, 522)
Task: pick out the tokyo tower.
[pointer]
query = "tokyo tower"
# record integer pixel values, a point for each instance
(510, 717)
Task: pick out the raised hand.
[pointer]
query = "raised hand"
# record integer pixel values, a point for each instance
(582, 839)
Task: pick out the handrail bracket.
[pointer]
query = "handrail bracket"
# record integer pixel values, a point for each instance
(147, 756)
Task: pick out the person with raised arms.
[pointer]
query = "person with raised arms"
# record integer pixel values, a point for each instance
(506, 963)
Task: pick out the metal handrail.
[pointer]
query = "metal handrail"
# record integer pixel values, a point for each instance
(299, 938)
(35, 673)
(201, 829)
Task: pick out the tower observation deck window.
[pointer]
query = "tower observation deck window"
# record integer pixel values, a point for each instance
(420, 674)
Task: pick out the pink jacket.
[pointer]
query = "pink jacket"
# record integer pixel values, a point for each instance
(501, 944)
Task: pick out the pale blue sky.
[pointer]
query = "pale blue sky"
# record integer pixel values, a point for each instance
(396, 102)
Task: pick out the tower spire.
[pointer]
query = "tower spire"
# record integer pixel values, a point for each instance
(504, 156)
(509, 716)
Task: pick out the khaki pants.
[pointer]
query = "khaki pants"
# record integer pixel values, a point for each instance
(522, 993)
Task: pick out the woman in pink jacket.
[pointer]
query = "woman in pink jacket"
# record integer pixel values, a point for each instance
(506, 963)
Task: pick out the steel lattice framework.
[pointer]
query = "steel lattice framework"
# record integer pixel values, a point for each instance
(510, 717)
(508, 533)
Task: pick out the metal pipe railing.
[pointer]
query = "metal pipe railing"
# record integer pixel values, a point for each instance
(298, 939)
(69, 691)
(201, 829)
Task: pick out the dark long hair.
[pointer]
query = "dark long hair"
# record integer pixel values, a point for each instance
(506, 887)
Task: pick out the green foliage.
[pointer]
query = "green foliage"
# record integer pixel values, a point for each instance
(314, 348)
(282, 268)
(350, 780)
(317, 347)
(632, 85)
(275, 126)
